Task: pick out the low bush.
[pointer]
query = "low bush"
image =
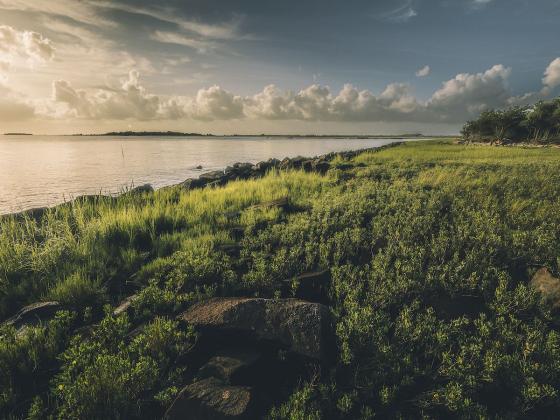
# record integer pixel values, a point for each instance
(430, 248)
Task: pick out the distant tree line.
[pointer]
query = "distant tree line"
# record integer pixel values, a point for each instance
(538, 123)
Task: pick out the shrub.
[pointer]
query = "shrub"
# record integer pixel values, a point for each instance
(78, 291)
(107, 377)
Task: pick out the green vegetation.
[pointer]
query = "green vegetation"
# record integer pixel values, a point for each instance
(539, 123)
(430, 246)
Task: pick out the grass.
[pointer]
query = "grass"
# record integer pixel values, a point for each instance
(430, 247)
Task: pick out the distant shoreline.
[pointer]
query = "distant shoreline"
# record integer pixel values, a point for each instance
(289, 136)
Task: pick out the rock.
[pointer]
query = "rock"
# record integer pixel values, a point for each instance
(212, 176)
(34, 314)
(211, 399)
(307, 165)
(285, 163)
(198, 167)
(301, 327)
(282, 202)
(263, 167)
(216, 183)
(321, 166)
(191, 183)
(226, 365)
(293, 163)
(548, 286)
(124, 306)
(141, 189)
(239, 171)
(243, 167)
(35, 214)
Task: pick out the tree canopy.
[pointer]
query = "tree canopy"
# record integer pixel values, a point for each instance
(538, 123)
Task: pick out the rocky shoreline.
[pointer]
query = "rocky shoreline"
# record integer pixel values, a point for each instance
(238, 171)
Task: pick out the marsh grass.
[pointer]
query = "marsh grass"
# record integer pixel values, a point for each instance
(430, 246)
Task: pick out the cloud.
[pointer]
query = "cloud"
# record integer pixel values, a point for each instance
(469, 94)
(79, 11)
(400, 14)
(179, 39)
(229, 30)
(215, 103)
(478, 4)
(423, 72)
(318, 103)
(13, 107)
(551, 77)
(458, 99)
(129, 101)
(24, 46)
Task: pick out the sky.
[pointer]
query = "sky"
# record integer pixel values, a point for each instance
(279, 67)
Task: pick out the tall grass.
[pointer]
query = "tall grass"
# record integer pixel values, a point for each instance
(430, 247)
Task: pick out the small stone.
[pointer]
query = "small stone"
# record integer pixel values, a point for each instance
(125, 305)
(34, 314)
(282, 202)
(141, 189)
(227, 364)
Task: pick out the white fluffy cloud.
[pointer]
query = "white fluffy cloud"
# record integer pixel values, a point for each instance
(460, 98)
(468, 94)
(457, 99)
(128, 101)
(551, 76)
(215, 103)
(423, 72)
(131, 101)
(24, 46)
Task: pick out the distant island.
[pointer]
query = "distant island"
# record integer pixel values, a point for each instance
(146, 133)
(262, 135)
(291, 136)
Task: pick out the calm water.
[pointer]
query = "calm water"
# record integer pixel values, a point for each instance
(46, 170)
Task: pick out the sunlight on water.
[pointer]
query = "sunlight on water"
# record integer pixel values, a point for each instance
(44, 171)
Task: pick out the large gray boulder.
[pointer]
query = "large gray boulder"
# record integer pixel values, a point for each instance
(212, 399)
(301, 327)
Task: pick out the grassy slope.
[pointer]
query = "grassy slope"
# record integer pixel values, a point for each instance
(430, 246)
